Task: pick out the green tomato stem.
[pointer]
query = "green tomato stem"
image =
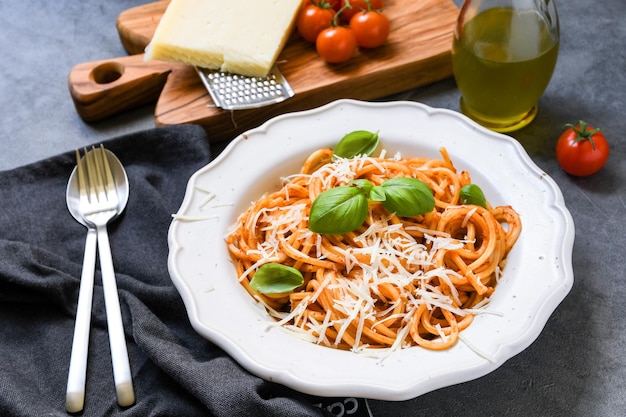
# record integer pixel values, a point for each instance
(583, 133)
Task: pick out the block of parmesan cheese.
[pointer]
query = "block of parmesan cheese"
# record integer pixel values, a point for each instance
(238, 36)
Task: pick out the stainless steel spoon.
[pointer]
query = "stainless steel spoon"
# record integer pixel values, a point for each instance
(75, 395)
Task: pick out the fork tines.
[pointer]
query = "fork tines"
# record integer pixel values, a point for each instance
(95, 179)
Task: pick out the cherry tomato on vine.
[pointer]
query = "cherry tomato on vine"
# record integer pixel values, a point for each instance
(359, 6)
(582, 150)
(335, 4)
(314, 18)
(336, 44)
(370, 28)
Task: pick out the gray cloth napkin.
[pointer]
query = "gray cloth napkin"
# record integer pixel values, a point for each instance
(176, 372)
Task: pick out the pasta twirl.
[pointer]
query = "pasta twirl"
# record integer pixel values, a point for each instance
(392, 283)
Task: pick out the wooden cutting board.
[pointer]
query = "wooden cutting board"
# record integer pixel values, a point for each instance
(417, 53)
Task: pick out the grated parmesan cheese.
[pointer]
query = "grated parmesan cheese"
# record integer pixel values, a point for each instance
(394, 256)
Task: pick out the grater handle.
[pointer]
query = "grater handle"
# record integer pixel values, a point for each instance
(103, 88)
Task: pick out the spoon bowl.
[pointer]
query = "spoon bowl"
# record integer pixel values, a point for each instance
(121, 183)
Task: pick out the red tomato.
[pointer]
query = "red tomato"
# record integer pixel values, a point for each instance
(336, 44)
(359, 6)
(333, 4)
(312, 20)
(371, 28)
(582, 150)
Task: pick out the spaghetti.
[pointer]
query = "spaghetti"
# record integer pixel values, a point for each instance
(392, 283)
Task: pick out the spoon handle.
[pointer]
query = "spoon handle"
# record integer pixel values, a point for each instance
(117, 341)
(75, 394)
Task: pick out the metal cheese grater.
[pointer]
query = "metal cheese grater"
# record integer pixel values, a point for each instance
(238, 92)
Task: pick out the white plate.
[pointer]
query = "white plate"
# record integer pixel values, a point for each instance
(537, 277)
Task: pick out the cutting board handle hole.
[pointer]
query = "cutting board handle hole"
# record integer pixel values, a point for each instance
(107, 73)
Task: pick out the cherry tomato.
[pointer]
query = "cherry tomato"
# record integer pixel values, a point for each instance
(371, 28)
(582, 150)
(336, 44)
(359, 6)
(333, 4)
(312, 19)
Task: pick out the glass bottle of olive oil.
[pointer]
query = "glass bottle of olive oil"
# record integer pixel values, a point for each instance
(503, 55)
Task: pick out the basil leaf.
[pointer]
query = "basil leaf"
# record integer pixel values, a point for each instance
(472, 194)
(276, 278)
(359, 142)
(338, 210)
(378, 193)
(363, 184)
(407, 197)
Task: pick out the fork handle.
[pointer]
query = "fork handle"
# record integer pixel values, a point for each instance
(75, 395)
(117, 341)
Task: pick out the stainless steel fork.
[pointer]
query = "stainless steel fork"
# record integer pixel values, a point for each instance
(99, 208)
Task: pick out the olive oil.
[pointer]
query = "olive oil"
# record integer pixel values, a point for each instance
(503, 60)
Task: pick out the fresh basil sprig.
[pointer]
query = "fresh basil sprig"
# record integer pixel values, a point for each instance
(357, 143)
(343, 209)
(472, 194)
(274, 278)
